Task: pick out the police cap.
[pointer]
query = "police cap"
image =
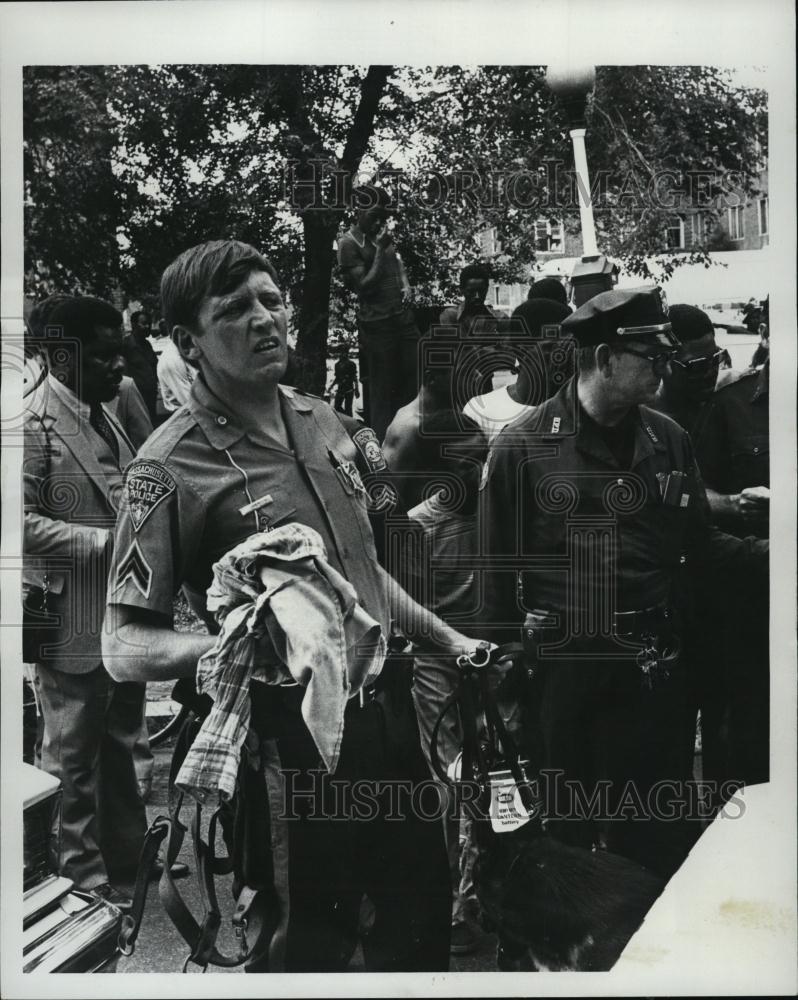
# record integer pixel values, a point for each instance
(621, 315)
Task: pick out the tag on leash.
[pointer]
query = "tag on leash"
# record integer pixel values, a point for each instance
(507, 810)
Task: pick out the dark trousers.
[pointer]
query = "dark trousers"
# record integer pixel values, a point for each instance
(388, 367)
(600, 724)
(734, 692)
(343, 401)
(350, 836)
(91, 724)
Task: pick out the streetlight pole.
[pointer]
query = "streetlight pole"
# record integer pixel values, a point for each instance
(572, 84)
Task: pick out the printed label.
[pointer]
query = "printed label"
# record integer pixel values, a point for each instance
(507, 809)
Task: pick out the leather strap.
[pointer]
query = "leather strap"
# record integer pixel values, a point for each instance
(131, 922)
(249, 919)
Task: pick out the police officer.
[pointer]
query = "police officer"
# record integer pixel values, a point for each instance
(727, 628)
(734, 457)
(588, 504)
(246, 455)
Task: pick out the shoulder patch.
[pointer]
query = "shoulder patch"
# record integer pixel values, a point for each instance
(369, 447)
(147, 484)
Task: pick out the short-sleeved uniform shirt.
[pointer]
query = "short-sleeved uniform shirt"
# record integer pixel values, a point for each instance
(201, 484)
(384, 299)
(584, 532)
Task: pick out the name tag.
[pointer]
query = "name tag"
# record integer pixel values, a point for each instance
(255, 505)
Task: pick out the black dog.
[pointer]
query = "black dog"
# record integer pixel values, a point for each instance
(569, 908)
(554, 906)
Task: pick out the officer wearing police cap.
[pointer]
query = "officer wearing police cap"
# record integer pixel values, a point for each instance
(588, 504)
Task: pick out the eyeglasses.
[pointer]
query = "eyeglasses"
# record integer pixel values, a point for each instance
(659, 359)
(699, 366)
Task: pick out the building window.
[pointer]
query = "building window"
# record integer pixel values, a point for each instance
(763, 216)
(674, 236)
(548, 236)
(736, 227)
(488, 242)
(697, 229)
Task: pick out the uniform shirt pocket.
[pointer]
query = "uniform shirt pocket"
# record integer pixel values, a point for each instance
(751, 461)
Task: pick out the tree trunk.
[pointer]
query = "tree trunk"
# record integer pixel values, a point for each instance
(314, 309)
(320, 226)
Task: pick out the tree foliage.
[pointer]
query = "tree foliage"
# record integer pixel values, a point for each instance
(127, 166)
(72, 206)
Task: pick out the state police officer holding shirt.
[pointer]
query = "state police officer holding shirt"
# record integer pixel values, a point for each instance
(243, 456)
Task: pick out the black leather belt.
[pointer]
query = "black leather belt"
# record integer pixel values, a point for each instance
(653, 620)
(646, 620)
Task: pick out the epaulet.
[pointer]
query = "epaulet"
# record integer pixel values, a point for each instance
(163, 440)
(350, 424)
(736, 376)
(289, 389)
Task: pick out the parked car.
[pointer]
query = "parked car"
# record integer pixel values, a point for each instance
(64, 929)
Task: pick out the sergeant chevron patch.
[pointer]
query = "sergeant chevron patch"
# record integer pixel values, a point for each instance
(134, 567)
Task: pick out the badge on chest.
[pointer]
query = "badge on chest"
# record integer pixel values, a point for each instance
(347, 475)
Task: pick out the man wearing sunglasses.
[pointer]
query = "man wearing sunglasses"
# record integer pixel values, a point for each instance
(727, 638)
(687, 394)
(689, 381)
(594, 510)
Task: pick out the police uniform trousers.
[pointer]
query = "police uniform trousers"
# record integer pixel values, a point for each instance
(734, 692)
(601, 723)
(388, 848)
(91, 724)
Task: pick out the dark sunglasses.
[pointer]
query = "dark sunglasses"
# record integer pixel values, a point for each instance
(699, 365)
(659, 359)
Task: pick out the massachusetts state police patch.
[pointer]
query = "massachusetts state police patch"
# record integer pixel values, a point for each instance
(369, 447)
(147, 484)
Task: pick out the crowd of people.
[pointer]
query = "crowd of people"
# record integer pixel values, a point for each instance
(609, 503)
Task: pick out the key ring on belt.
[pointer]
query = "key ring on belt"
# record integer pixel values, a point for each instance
(476, 660)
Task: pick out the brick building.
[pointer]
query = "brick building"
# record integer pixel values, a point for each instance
(735, 222)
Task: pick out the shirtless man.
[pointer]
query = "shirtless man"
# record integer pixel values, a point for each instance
(411, 455)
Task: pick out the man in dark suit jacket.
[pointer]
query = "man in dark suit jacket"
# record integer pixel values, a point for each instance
(75, 453)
